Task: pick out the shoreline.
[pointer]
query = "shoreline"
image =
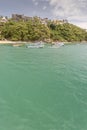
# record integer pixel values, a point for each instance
(27, 42)
(11, 42)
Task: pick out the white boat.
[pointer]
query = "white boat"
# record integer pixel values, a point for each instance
(60, 43)
(57, 45)
(35, 45)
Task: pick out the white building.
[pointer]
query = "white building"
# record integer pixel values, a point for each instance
(3, 20)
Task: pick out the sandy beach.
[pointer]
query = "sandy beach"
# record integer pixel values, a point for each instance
(11, 42)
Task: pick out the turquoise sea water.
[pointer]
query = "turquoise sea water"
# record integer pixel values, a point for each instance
(43, 89)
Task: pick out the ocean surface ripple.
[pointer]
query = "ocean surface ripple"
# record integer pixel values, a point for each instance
(43, 89)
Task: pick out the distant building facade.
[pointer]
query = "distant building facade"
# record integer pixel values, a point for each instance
(56, 22)
(44, 21)
(18, 17)
(3, 20)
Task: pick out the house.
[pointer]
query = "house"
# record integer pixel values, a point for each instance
(44, 21)
(18, 17)
(3, 20)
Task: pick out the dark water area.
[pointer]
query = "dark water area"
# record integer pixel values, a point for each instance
(43, 89)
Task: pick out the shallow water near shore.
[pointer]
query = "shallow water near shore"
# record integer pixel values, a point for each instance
(43, 89)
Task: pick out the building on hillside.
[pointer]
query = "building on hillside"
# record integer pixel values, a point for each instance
(56, 22)
(40, 20)
(44, 21)
(18, 17)
(3, 20)
(26, 18)
(65, 21)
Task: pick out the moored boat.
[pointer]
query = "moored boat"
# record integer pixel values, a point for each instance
(57, 44)
(36, 45)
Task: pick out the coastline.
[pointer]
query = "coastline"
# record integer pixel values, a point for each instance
(27, 42)
(11, 42)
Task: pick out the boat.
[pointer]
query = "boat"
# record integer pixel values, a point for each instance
(60, 43)
(57, 44)
(36, 45)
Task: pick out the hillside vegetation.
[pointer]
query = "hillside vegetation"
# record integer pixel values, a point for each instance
(34, 30)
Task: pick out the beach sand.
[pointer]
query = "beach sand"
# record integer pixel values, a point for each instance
(11, 42)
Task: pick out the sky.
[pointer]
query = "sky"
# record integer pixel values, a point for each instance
(75, 11)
